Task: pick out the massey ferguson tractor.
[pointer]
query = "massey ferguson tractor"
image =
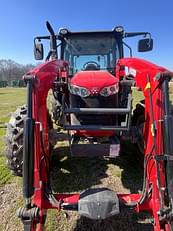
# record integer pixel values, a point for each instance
(92, 82)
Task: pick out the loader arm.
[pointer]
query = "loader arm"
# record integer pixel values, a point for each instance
(151, 80)
(36, 168)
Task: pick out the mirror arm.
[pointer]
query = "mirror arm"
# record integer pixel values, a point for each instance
(41, 37)
(48, 56)
(133, 34)
(53, 53)
(125, 44)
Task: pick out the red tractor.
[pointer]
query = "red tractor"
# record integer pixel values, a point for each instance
(92, 84)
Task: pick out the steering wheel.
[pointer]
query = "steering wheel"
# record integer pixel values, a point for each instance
(91, 65)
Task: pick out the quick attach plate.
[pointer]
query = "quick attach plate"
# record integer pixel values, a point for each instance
(98, 203)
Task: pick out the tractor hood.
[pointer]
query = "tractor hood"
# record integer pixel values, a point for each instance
(93, 79)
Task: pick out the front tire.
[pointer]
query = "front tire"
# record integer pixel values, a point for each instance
(14, 141)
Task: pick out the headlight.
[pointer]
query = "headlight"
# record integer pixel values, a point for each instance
(80, 91)
(111, 90)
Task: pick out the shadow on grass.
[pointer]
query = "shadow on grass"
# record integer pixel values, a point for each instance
(76, 174)
(132, 167)
(72, 174)
(126, 221)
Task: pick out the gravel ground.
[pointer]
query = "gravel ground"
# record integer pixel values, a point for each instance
(10, 200)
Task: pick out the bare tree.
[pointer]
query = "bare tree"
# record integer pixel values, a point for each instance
(10, 70)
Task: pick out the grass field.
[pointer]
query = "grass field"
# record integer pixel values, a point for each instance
(71, 175)
(10, 98)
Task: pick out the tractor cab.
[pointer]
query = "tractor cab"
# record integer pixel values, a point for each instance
(90, 51)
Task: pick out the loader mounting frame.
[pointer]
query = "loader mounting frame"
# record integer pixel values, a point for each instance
(153, 81)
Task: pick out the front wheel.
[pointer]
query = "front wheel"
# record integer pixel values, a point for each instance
(14, 141)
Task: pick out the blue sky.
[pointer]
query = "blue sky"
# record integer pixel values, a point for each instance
(21, 21)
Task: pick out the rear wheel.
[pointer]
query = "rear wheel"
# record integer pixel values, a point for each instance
(57, 110)
(138, 120)
(140, 125)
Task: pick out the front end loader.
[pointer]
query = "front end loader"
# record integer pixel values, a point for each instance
(92, 82)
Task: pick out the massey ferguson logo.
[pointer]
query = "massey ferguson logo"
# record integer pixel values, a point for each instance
(94, 90)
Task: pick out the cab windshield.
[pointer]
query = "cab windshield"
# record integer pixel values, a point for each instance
(91, 53)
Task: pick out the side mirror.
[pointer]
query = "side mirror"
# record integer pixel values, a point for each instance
(38, 51)
(145, 45)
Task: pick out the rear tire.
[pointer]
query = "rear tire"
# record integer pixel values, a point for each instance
(140, 125)
(56, 111)
(138, 120)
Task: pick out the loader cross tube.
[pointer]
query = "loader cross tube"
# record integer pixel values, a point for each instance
(96, 128)
(97, 111)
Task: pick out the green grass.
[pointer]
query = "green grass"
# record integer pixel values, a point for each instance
(137, 96)
(5, 175)
(10, 98)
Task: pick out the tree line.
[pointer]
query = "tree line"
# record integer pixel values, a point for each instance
(11, 70)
